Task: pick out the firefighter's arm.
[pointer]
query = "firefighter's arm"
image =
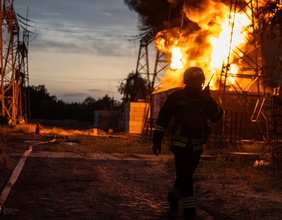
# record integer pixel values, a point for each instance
(164, 117)
(215, 112)
(157, 139)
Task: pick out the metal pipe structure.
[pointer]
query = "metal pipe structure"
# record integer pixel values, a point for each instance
(13, 55)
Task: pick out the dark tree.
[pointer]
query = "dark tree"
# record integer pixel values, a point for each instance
(44, 106)
(134, 87)
(40, 102)
(270, 16)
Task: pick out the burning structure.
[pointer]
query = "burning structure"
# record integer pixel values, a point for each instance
(238, 45)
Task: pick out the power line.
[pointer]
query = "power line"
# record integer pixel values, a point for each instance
(72, 80)
(71, 34)
(106, 30)
(103, 31)
(88, 27)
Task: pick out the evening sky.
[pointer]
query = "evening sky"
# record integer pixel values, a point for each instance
(79, 48)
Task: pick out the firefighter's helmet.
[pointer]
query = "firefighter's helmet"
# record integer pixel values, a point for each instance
(194, 75)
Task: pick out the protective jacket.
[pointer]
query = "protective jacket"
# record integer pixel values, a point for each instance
(190, 110)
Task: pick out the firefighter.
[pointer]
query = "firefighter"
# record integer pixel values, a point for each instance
(191, 108)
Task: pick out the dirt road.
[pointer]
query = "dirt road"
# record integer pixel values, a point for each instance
(74, 184)
(63, 180)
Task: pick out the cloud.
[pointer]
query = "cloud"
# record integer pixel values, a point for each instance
(63, 36)
(107, 45)
(74, 94)
(112, 48)
(94, 93)
(95, 90)
(72, 97)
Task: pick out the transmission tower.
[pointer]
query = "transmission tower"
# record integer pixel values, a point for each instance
(24, 109)
(242, 94)
(13, 65)
(142, 66)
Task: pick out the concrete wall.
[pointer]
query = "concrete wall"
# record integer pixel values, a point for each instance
(135, 115)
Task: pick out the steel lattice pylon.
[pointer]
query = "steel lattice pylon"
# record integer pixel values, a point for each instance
(142, 66)
(13, 65)
(242, 94)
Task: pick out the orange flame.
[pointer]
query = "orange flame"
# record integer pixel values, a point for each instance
(177, 61)
(208, 46)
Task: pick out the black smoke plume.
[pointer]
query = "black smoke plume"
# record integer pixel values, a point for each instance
(155, 13)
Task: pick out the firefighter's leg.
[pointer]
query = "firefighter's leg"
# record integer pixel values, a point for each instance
(173, 198)
(174, 194)
(189, 207)
(179, 188)
(186, 164)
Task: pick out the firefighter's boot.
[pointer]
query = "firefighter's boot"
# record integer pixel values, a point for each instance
(190, 214)
(189, 208)
(173, 201)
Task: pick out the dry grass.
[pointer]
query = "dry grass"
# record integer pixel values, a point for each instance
(223, 168)
(119, 144)
(229, 171)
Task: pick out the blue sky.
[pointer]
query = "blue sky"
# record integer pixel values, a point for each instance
(80, 48)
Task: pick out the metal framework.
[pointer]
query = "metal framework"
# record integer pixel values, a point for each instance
(24, 109)
(14, 74)
(142, 66)
(242, 94)
(273, 145)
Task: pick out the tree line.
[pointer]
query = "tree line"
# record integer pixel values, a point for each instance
(45, 106)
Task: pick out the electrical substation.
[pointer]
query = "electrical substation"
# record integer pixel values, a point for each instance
(250, 96)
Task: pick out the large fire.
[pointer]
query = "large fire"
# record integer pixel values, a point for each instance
(208, 46)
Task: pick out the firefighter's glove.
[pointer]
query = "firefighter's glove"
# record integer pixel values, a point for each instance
(157, 149)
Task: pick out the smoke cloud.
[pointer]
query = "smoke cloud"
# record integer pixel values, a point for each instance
(154, 13)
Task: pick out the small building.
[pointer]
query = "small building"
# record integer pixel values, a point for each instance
(130, 119)
(135, 114)
(106, 119)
